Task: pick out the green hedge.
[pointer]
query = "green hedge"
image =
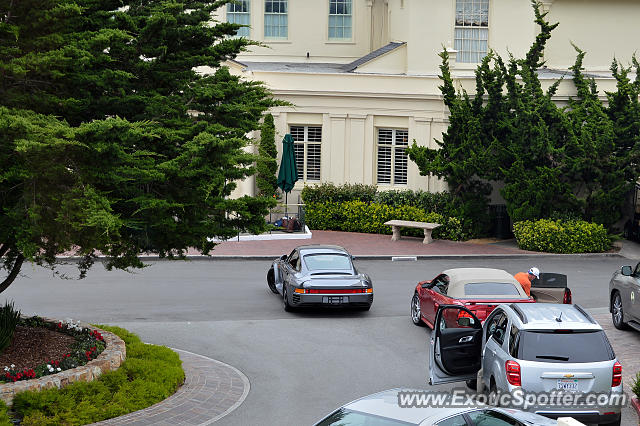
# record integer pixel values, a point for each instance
(562, 236)
(440, 202)
(358, 216)
(328, 192)
(148, 375)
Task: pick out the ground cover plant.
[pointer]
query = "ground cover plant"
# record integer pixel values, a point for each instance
(149, 374)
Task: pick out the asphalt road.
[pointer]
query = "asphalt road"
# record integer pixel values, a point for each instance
(301, 365)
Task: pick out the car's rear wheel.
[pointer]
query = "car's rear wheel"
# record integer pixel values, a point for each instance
(617, 314)
(271, 281)
(415, 311)
(285, 298)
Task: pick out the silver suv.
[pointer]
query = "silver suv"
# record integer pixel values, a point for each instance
(535, 349)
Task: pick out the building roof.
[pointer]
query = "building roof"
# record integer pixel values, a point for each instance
(373, 55)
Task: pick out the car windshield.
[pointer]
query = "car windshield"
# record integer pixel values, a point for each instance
(344, 417)
(564, 346)
(328, 261)
(490, 289)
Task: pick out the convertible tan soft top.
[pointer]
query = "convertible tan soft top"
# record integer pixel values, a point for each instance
(458, 277)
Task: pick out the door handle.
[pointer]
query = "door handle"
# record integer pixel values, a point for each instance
(465, 339)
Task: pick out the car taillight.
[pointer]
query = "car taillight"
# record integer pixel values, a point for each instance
(464, 314)
(617, 375)
(567, 296)
(513, 373)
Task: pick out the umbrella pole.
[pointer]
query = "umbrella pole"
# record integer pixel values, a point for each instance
(286, 204)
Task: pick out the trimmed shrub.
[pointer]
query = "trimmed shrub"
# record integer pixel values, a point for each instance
(328, 192)
(148, 375)
(358, 216)
(9, 318)
(561, 236)
(267, 163)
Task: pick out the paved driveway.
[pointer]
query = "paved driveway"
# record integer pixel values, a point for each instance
(300, 365)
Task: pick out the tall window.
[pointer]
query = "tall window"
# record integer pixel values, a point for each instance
(392, 156)
(275, 19)
(472, 30)
(307, 145)
(238, 13)
(340, 19)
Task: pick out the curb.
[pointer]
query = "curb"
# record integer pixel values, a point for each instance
(245, 381)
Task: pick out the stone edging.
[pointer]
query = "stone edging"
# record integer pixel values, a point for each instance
(110, 358)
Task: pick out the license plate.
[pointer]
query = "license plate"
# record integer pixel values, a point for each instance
(567, 384)
(335, 299)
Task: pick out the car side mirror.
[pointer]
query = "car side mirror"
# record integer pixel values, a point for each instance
(283, 257)
(353, 257)
(465, 321)
(626, 271)
(425, 285)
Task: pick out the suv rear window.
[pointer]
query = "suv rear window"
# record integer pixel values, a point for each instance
(564, 346)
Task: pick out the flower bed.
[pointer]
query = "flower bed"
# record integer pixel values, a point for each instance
(94, 352)
(89, 343)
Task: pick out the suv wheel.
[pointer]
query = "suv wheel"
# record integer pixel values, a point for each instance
(493, 394)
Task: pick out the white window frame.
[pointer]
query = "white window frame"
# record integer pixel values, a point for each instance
(240, 17)
(340, 16)
(281, 17)
(397, 135)
(306, 143)
(471, 33)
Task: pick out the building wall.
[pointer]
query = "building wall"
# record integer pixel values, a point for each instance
(603, 29)
(400, 89)
(308, 22)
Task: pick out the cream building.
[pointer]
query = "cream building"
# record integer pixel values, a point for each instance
(362, 75)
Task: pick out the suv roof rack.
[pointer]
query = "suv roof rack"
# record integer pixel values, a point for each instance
(518, 311)
(585, 313)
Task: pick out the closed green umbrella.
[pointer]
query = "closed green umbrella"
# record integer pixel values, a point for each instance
(288, 174)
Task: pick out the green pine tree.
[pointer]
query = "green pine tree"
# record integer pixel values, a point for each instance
(113, 141)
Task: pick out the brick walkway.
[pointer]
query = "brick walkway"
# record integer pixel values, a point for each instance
(364, 245)
(212, 390)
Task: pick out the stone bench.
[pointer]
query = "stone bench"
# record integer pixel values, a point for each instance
(397, 224)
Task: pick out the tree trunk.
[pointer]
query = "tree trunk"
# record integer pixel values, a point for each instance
(14, 269)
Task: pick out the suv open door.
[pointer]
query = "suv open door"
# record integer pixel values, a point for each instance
(455, 352)
(551, 288)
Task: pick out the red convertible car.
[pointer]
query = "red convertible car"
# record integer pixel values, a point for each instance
(480, 290)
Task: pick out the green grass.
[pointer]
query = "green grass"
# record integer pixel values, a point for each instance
(149, 374)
